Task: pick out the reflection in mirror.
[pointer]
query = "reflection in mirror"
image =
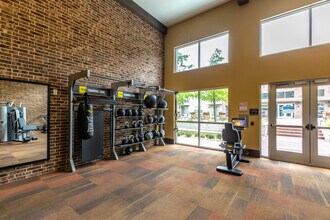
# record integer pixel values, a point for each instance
(23, 122)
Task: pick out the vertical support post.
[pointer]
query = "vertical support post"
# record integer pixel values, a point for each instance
(71, 166)
(115, 155)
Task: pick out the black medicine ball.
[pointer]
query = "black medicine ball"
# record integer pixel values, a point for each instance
(120, 112)
(150, 101)
(128, 112)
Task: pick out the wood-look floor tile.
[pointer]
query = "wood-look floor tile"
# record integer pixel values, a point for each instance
(199, 213)
(171, 207)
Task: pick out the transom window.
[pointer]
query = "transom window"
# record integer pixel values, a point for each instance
(202, 53)
(294, 30)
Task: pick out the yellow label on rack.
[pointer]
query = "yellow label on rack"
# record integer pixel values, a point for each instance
(82, 89)
(120, 94)
(157, 127)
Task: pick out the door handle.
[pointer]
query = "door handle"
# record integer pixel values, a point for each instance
(310, 127)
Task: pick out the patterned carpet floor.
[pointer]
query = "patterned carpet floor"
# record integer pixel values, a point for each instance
(172, 182)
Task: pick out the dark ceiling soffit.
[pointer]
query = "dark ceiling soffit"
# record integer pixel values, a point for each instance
(136, 9)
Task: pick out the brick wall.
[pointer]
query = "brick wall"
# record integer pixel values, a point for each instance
(45, 41)
(32, 96)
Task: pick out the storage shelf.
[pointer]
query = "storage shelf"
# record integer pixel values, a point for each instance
(158, 108)
(117, 116)
(129, 104)
(155, 124)
(130, 129)
(127, 145)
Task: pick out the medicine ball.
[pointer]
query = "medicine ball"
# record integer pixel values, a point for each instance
(128, 150)
(128, 112)
(155, 133)
(161, 102)
(149, 119)
(120, 112)
(140, 112)
(135, 112)
(148, 135)
(162, 133)
(141, 137)
(150, 101)
(161, 119)
(124, 140)
(136, 139)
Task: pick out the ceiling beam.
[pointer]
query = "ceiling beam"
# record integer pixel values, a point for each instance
(136, 9)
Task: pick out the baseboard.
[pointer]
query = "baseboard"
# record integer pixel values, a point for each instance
(252, 153)
(169, 141)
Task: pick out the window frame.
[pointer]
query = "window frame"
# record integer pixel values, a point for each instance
(198, 42)
(288, 13)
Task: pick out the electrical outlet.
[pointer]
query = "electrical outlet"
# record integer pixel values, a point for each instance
(54, 91)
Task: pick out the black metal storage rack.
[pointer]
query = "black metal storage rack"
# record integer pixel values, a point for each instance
(108, 96)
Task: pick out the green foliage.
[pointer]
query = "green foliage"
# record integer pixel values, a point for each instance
(189, 134)
(181, 62)
(210, 136)
(180, 133)
(218, 95)
(203, 135)
(219, 136)
(183, 97)
(216, 57)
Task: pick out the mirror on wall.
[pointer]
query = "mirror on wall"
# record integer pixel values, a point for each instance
(24, 122)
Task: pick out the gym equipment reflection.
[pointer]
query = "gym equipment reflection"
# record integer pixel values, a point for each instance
(23, 131)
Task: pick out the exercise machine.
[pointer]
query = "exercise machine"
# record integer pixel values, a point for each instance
(13, 125)
(233, 146)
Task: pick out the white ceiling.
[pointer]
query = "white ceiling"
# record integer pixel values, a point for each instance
(170, 12)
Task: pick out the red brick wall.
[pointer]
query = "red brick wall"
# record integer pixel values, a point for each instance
(45, 41)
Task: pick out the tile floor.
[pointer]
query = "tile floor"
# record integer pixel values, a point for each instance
(172, 182)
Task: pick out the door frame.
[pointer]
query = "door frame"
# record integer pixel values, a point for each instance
(300, 158)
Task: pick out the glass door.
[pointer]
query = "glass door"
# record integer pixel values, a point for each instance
(288, 116)
(320, 118)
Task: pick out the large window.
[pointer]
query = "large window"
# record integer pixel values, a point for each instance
(206, 52)
(302, 28)
(201, 117)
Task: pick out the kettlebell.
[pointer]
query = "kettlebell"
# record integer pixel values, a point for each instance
(155, 118)
(161, 102)
(124, 140)
(148, 135)
(161, 119)
(120, 112)
(155, 133)
(141, 137)
(140, 123)
(131, 139)
(162, 133)
(136, 139)
(128, 112)
(140, 112)
(134, 124)
(128, 150)
(135, 112)
(149, 119)
(126, 125)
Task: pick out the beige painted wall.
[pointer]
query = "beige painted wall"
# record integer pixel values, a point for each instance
(246, 70)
